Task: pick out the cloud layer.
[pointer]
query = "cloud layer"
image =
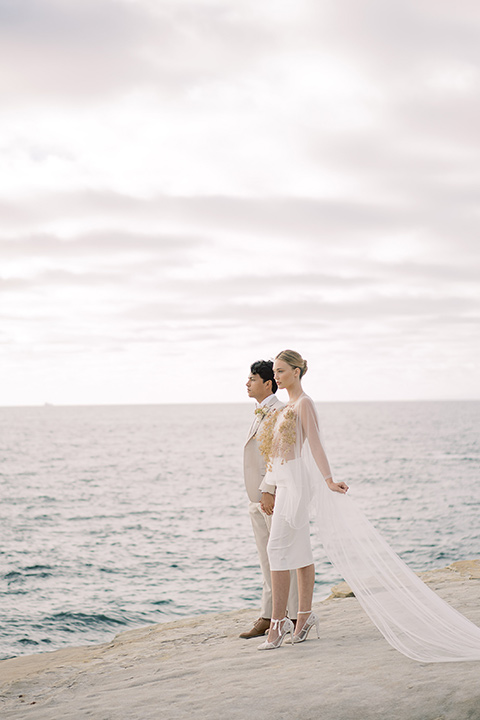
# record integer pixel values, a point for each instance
(188, 186)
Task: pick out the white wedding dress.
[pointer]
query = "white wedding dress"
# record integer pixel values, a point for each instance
(412, 618)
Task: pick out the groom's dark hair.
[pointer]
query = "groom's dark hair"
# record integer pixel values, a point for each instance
(264, 368)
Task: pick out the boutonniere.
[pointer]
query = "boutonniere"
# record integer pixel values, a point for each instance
(262, 411)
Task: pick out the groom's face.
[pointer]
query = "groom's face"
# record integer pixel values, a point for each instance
(257, 388)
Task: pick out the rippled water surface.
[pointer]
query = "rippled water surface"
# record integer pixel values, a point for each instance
(116, 517)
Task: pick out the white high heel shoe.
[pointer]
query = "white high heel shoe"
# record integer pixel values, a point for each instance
(282, 633)
(309, 623)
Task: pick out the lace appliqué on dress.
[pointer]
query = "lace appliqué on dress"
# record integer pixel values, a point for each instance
(278, 435)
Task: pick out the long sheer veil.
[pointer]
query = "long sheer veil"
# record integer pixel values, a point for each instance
(411, 616)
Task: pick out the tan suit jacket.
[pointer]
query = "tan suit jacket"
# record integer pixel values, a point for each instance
(253, 461)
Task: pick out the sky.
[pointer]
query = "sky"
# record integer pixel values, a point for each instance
(187, 186)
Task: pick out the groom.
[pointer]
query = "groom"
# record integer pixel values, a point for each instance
(262, 387)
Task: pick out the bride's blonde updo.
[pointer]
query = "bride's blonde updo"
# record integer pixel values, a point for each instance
(293, 359)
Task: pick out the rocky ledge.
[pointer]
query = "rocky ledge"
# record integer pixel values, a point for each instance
(198, 668)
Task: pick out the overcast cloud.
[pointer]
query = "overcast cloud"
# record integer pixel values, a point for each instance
(188, 186)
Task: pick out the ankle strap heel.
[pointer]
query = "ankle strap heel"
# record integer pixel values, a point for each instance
(309, 623)
(282, 633)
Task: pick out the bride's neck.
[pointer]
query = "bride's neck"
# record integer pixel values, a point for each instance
(294, 393)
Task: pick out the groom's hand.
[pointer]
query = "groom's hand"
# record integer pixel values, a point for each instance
(267, 503)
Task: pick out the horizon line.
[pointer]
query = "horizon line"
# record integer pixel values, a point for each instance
(237, 402)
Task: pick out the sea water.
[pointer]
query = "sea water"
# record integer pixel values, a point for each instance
(121, 516)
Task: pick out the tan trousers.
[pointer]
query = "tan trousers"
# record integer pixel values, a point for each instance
(261, 524)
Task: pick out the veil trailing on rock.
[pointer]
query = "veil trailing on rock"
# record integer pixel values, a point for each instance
(412, 618)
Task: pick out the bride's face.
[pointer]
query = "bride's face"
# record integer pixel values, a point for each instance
(284, 374)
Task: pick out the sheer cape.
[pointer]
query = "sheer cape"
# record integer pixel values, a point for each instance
(412, 618)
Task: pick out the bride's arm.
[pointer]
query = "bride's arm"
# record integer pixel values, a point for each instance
(308, 418)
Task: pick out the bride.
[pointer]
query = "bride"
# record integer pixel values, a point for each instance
(412, 618)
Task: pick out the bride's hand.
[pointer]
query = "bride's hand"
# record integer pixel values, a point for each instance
(267, 503)
(340, 487)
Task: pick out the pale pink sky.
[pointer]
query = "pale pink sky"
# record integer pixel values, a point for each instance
(189, 186)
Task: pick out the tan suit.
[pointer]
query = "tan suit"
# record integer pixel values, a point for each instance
(254, 471)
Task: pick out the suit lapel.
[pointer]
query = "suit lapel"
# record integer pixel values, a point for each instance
(253, 428)
(258, 419)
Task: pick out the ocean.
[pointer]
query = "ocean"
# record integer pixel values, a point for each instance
(115, 517)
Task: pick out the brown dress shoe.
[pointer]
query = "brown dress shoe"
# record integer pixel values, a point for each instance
(259, 629)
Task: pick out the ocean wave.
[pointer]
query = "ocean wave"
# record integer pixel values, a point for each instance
(73, 621)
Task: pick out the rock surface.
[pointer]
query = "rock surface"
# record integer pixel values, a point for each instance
(199, 669)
